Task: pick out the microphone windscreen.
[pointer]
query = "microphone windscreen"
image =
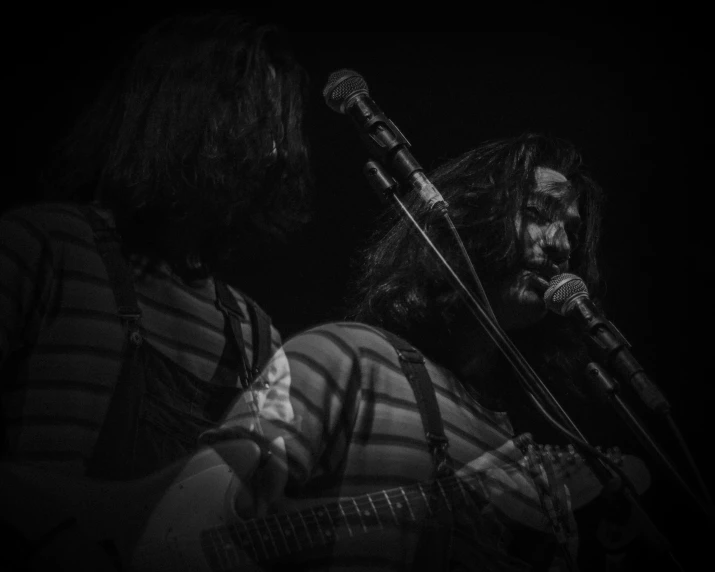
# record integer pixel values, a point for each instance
(341, 86)
(563, 288)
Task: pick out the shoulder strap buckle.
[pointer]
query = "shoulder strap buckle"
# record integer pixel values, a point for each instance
(410, 355)
(129, 313)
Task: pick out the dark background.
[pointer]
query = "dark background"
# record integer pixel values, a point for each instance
(617, 86)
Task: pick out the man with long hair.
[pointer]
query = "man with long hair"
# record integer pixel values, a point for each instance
(351, 413)
(121, 339)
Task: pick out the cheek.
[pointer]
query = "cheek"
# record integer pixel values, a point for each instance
(530, 237)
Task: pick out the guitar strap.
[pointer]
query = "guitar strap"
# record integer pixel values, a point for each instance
(260, 328)
(152, 392)
(413, 366)
(434, 547)
(120, 274)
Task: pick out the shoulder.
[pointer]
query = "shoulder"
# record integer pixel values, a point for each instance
(354, 334)
(344, 341)
(244, 302)
(44, 222)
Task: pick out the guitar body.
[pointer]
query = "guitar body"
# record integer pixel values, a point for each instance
(153, 523)
(199, 516)
(207, 494)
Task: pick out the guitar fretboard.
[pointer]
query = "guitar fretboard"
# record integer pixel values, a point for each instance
(280, 535)
(261, 540)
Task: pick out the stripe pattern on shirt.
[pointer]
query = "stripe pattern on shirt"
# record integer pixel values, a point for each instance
(351, 426)
(61, 336)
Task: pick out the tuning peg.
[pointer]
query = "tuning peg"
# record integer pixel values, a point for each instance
(547, 451)
(557, 454)
(616, 455)
(570, 455)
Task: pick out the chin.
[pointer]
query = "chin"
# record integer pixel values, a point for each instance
(528, 317)
(522, 307)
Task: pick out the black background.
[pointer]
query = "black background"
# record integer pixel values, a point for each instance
(618, 86)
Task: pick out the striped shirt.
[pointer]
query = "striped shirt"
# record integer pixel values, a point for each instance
(348, 416)
(59, 327)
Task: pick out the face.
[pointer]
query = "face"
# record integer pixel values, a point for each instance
(547, 229)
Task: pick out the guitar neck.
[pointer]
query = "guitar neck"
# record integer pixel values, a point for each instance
(280, 535)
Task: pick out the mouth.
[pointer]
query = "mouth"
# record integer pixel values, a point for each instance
(541, 275)
(539, 282)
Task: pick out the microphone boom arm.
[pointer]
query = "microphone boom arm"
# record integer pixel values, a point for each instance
(615, 351)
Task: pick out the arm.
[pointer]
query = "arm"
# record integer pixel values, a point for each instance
(304, 405)
(26, 280)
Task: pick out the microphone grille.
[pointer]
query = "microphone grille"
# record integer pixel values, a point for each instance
(563, 288)
(341, 86)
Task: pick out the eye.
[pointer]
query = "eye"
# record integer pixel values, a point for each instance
(537, 214)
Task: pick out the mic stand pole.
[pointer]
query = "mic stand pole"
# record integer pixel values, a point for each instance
(386, 186)
(607, 389)
(613, 349)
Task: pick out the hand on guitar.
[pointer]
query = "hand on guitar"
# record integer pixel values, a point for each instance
(265, 483)
(502, 476)
(499, 477)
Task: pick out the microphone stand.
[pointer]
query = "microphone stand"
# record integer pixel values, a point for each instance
(386, 186)
(612, 348)
(607, 388)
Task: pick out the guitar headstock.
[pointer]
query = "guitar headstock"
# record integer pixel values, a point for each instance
(570, 469)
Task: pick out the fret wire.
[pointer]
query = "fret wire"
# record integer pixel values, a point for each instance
(427, 505)
(295, 533)
(229, 549)
(374, 509)
(215, 555)
(345, 518)
(224, 548)
(444, 495)
(383, 504)
(389, 503)
(247, 536)
(270, 535)
(263, 526)
(225, 556)
(319, 527)
(409, 505)
(460, 485)
(305, 526)
(332, 523)
(280, 529)
(367, 504)
(219, 548)
(260, 537)
(357, 509)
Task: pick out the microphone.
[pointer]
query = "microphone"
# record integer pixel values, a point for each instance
(346, 92)
(567, 295)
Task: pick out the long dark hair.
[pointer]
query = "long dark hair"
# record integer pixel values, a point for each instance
(401, 287)
(196, 143)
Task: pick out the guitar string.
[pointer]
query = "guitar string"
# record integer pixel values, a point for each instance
(297, 544)
(367, 500)
(368, 508)
(379, 505)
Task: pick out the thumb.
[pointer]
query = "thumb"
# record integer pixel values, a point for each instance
(506, 455)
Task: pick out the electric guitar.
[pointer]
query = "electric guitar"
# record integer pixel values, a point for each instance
(185, 517)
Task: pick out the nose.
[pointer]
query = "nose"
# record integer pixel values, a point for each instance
(556, 245)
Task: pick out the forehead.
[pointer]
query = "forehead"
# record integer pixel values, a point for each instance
(546, 177)
(553, 189)
(552, 186)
